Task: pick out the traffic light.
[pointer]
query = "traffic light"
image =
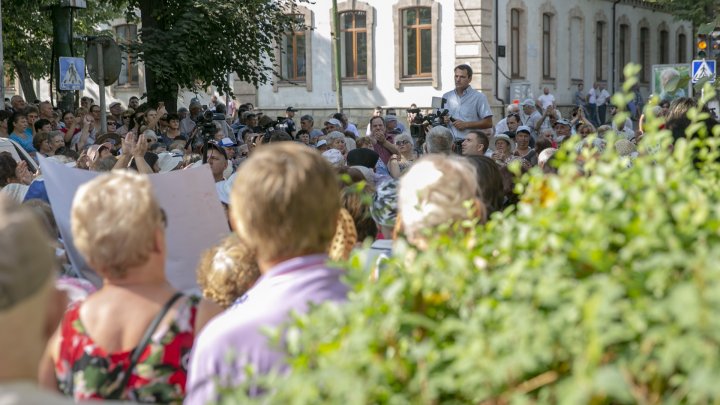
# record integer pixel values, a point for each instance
(702, 45)
(714, 46)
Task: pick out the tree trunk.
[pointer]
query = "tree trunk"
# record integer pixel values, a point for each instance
(158, 90)
(26, 81)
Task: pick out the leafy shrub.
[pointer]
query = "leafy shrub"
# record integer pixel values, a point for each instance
(602, 286)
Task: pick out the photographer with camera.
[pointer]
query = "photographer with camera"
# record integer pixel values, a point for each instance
(469, 109)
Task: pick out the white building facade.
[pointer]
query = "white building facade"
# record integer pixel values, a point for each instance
(395, 53)
(399, 52)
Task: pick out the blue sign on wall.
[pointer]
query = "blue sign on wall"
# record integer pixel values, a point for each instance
(72, 73)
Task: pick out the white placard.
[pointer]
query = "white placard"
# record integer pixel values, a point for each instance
(196, 219)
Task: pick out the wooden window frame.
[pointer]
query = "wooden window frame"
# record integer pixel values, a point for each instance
(547, 63)
(515, 70)
(354, 31)
(130, 58)
(418, 28)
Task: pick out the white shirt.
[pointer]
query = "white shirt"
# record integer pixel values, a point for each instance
(546, 100)
(501, 126)
(602, 97)
(592, 99)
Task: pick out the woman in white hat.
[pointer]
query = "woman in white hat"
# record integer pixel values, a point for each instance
(502, 148)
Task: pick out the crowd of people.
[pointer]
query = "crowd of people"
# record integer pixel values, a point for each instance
(294, 197)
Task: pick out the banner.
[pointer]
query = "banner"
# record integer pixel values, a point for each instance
(196, 219)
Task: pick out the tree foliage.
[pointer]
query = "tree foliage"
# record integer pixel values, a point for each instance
(698, 11)
(28, 34)
(601, 287)
(195, 43)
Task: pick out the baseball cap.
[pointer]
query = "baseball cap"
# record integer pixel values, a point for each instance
(306, 118)
(114, 104)
(27, 261)
(227, 143)
(528, 101)
(562, 122)
(291, 109)
(391, 118)
(216, 146)
(321, 142)
(523, 128)
(335, 122)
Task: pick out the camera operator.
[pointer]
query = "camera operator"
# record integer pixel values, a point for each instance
(469, 108)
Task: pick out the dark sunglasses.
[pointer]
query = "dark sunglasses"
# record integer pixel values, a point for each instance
(400, 143)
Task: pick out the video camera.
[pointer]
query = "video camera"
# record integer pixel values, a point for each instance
(421, 122)
(206, 123)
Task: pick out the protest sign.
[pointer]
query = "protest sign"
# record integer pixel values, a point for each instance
(196, 219)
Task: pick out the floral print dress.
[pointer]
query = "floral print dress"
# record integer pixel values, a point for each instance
(85, 371)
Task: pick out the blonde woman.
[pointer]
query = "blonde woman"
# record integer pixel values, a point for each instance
(131, 339)
(401, 162)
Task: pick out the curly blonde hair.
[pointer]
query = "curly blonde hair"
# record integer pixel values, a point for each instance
(227, 271)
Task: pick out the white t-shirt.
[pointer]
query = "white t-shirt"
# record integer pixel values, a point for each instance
(592, 99)
(602, 97)
(546, 100)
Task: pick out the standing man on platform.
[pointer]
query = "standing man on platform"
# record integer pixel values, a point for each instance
(469, 108)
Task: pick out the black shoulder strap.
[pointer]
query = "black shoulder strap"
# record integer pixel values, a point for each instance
(138, 351)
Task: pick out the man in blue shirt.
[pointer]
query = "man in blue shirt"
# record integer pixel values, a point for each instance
(469, 108)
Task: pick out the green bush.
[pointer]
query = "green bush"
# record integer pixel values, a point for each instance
(600, 287)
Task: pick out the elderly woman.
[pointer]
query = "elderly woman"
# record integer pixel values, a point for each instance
(336, 140)
(502, 148)
(131, 339)
(434, 192)
(400, 163)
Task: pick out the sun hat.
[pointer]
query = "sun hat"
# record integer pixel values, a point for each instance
(503, 137)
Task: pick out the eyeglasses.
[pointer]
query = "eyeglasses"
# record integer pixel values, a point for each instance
(400, 143)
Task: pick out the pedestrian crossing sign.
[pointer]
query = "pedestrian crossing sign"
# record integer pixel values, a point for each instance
(702, 69)
(72, 73)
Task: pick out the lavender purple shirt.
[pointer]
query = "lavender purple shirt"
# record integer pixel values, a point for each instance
(235, 339)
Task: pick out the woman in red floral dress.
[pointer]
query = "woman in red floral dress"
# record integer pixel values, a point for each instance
(89, 356)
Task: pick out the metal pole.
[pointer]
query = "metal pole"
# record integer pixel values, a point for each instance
(2, 62)
(336, 56)
(101, 76)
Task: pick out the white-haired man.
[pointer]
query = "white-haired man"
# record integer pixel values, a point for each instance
(439, 140)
